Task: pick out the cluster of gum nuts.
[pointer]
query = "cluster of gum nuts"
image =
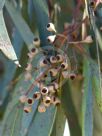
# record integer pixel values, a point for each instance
(56, 66)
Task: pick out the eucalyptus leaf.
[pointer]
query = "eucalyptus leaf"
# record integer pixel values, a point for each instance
(87, 104)
(14, 113)
(12, 124)
(42, 123)
(59, 124)
(5, 43)
(70, 110)
(96, 86)
(41, 11)
(18, 21)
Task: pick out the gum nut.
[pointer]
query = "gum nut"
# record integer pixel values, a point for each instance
(27, 109)
(56, 101)
(41, 108)
(44, 91)
(47, 101)
(53, 59)
(28, 67)
(64, 65)
(53, 72)
(51, 38)
(27, 76)
(37, 95)
(30, 56)
(43, 62)
(30, 101)
(59, 58)
(72, 76)
(34, 51)
(36, 42)
(23, 99)
(50, 27)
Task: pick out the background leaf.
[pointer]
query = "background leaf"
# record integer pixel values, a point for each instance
(2, 2)
(87, 105)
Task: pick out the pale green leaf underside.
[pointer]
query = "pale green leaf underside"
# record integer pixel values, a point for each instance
(5, 43)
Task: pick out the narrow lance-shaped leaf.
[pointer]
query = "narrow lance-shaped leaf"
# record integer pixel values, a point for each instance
(42, 123)
(8, 65)
(87, 103)
(12, 124)
(70, 110)
(59, 124)
(18, 21)
(41, 11)
(5, 43)
(96, 85)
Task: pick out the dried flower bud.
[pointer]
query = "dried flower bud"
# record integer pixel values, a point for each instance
(27, 76)
(53, 72)
(28, 67)
(41, 108)
(59, 58)
(28, 109)
(36, 42)
(37, 95)
(53, 60)
(30, 101)
(50, 27)
(44, 91)
(23, 99)
(47, 101)
(51, 38)
(64, 65)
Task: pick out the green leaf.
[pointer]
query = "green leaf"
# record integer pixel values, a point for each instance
(42, 123)
(99, 38)
(13, 122)
(8, 65)
(41, 11)
(97, 122)
(70, 110)
(87, 102)
(59, 124)
(18, 21)
(96, 86)
(14, 114)
(8, 75)
(5, 43)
